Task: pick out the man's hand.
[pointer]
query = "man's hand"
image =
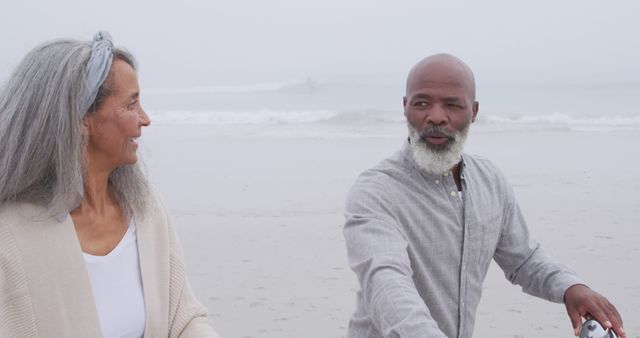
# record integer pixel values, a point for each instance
(581, 301)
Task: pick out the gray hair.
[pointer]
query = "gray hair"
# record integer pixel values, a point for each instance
(42, 152)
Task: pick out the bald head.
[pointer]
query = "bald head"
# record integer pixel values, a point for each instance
(441, 92)
(443, 67)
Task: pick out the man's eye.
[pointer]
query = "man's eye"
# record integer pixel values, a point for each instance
(422, 104)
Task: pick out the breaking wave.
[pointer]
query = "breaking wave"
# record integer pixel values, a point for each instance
(374, 116)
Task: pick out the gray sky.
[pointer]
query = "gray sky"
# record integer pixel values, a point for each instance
(197, 42)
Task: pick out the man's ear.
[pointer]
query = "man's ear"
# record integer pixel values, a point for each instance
(476, 107)
(404, 105)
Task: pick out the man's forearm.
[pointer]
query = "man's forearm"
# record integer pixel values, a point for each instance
(542, 277)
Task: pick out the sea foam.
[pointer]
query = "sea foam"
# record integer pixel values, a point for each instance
(555, 121)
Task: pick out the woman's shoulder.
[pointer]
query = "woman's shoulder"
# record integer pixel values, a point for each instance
(155, 218)
(22, 213)
(155, 206)
(16, 220)
(14, 291)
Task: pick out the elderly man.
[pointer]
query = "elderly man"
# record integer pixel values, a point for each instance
(423, 225)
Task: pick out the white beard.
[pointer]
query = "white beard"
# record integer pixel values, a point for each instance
(433, 160)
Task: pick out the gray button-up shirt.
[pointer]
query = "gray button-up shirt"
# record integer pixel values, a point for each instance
(421, 252)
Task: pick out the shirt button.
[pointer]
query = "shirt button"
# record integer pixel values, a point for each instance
(445, 174)
(453, 193)
(437, 181)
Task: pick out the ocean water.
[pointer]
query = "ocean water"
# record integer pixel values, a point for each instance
(363, 107)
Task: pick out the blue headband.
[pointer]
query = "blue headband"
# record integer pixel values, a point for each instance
(97, 68)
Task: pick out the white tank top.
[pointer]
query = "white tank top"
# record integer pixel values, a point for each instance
(116, 285)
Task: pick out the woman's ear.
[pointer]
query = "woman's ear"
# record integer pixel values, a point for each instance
(86, 126)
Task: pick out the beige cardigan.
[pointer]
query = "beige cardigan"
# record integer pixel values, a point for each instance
(45, 289)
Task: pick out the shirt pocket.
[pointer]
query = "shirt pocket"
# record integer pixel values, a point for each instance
(490, 236)
(484, 236)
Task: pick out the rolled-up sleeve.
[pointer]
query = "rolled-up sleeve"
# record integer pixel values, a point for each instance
(523, 261)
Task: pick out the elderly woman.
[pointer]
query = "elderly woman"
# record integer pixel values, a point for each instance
(86, 247)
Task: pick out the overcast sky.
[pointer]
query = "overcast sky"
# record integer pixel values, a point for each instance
(197, 42)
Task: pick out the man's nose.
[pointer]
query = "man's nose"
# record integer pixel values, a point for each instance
(436, 116)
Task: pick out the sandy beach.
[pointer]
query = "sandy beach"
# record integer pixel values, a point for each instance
(263, 113)
(259, 212)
